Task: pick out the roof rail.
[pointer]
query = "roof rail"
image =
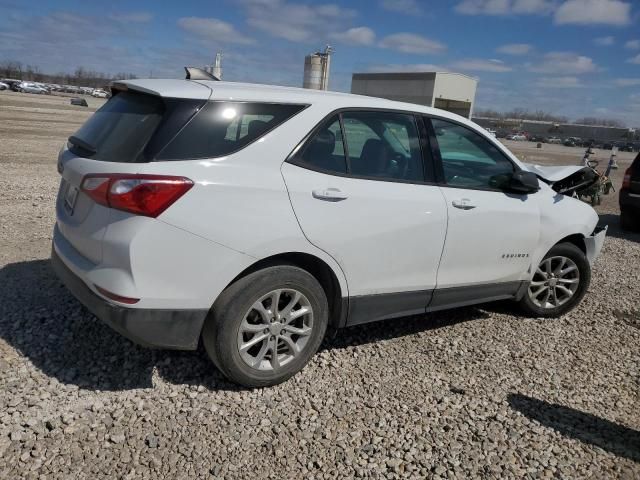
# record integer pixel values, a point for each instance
(195, 73)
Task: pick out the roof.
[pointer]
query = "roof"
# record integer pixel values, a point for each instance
(253, 92)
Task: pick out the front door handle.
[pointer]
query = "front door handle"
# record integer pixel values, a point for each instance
(330, 194)
(463, 204)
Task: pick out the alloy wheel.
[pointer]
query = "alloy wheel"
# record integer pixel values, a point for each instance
(275, 330)
(555, 282)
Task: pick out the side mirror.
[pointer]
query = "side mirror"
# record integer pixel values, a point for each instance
(523, 182)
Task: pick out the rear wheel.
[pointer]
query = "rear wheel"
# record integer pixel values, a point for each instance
(559, 282)
(266, 326)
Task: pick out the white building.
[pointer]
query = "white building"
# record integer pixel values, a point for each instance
(454, 92)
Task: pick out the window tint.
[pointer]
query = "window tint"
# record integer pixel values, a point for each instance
(383, 145)
(325, 150)
(468, 159)
(120, 129)
(222, 128)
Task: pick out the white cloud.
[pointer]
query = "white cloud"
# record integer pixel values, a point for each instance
(504, 7)
(213, 30)
(515, 49)
(410, 67)
(356, 36)
(480, 65)
(411, 43)
(604, 41)
(558, 82)
(564, 63)
(297, 22)
(408, 7)
(627, 82)
(635, 60)
(591, 12)
(632, 45)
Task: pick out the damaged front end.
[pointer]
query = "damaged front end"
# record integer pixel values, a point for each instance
(574, 181)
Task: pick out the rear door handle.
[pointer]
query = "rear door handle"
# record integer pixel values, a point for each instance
(463, 204)
(330, 194)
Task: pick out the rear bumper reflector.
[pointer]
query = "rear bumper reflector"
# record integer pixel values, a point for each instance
(115, 297)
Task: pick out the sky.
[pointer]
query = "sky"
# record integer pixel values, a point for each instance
(567, 57)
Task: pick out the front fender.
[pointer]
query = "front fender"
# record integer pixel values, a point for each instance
(561, 217)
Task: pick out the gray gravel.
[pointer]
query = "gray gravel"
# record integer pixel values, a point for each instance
(474, 392)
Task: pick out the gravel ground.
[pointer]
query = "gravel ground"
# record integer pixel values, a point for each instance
(473, 392)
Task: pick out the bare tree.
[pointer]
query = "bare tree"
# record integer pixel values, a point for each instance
(81, 76)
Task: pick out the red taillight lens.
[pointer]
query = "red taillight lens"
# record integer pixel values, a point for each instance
(116, 297)
(626, 181)
(147, 195)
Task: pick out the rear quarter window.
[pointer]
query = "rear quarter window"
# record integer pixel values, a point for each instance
(120, 129)
(222, 128)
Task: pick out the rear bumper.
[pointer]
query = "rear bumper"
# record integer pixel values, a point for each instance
(594, 243)
(158, 328)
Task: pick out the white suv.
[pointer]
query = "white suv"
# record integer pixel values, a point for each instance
(257, 217)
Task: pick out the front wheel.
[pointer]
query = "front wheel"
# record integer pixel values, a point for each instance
(559, 282)
(265, 327)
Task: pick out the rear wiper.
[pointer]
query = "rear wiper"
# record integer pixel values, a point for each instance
(78, 142)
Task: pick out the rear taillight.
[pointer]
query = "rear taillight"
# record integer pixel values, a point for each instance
(626, 181)
(147, 195)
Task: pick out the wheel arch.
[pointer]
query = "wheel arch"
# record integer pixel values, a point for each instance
(337, 297)
(576, 239)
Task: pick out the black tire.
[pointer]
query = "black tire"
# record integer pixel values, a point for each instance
(628, 222)
(220, 333)
(573, 253)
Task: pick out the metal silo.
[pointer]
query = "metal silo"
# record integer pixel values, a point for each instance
(316, 69)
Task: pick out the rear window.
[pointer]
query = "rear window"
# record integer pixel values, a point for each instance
(222, 128)
(120, 129)
(134, 127)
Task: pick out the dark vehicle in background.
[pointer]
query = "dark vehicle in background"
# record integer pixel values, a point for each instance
(572, 142)
(629, 147)
(630, 197)
(12, 82)
(538, 138)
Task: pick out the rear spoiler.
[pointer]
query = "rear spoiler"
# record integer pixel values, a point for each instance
(194, 73)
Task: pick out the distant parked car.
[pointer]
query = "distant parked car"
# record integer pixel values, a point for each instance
(491, 132)
(630, 197)
(569, 142)
(627, 147)
(28, 87)
(98, 93)
(4, 86)
(538, 138)
(554, 140)
(518, 137)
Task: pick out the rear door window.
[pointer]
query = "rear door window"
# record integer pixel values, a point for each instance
(222, 128)
(383, 145)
